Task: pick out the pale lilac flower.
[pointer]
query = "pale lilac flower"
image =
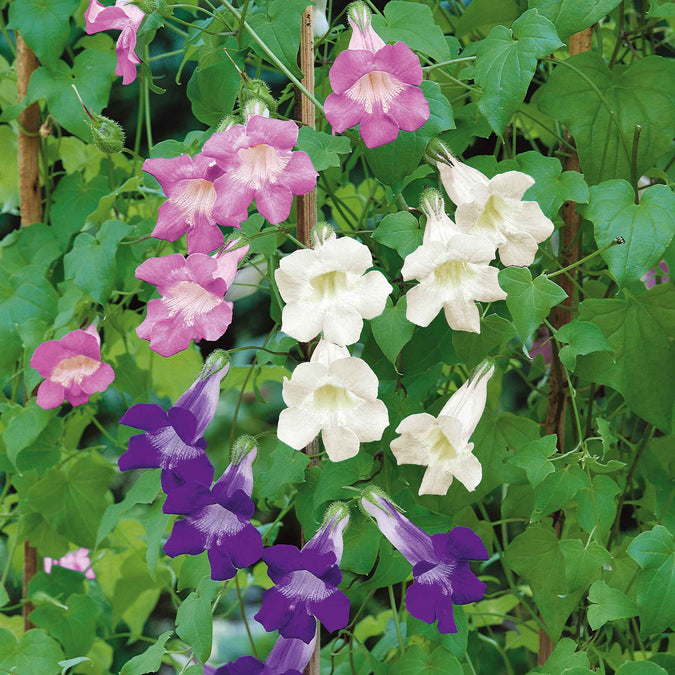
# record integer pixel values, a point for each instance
(453, 270)
(442, 444)
(173, 440)
(288, 657)
(492, 208)
(543, 345)
(191, 206)
(327, 289)
(375, 85)
(335, 394)
(192, 304)
(218, 520)
(77, 561)
(125, 17)
(652, 277)
(73, 368)
(306, 582)
(441, 572)
(259, 163)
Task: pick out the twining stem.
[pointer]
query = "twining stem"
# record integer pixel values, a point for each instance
(243, 616)
(615, 242)
(394, 611)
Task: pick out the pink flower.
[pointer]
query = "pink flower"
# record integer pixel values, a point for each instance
(73, 368)
(122, 16)
(375, 85)
(192, 304)
(652, 277)
(259, 164)
(75, 560)
(191, 207)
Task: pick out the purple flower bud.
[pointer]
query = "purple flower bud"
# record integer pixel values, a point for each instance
(306, 582)
(288, 657)
(440, 562)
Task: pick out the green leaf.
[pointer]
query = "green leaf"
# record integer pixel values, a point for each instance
(415, 661)
(529, 301)
(557, 490)
(9, 174)
(642, 94)
(394, 162)
(504, 67)
(472, 348)
(34, 245)
(572, 16)
(277, 466)
(322, 148)
(392, 568)
(194, 624)
(44, 26)
(652, 549)
(565, 657)
(413, 24)
(67, 664)
(23, 426)
(91, 263)
(640, 668)
(481, 15)
(637, 328)
(361, 543)
(150, 660)
(647, 227)
(583, 564)
(533, 458)
(596, 505)
(455, 643)
(35, 653)
(582, 338)
(400, 231)
(610, 605)
(661, 9)
(391, 330)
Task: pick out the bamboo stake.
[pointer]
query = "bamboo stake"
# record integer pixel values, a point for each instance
(570, 252)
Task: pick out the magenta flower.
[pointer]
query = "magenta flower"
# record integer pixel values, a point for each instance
(191, 206)
(218, 519)
(307, 582)
(259, 163)
(73, 368)
(77, 561)
(288, 657)
(441, 571)
(122, 16)
(375, 85)
(192, 304)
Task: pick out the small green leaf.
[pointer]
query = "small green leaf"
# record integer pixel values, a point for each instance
(472, 348)
(150, 660)
(361, 543)
(277, 466)
(391, 330)
(322, 148)
(23, 426)
(415, 661)
(565, 657)
(36, 653)
(583, 564)
(653, 548)
(572, 16)
(557, 490)
(481, 15)
(194, 624)
(611, 605)
(582, 337)
(400, 231)
(640, 668)
(67, 664)
(529, 301)
(533, 457)
(596, 505)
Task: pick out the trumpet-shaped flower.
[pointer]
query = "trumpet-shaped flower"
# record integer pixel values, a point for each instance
(192, 304)
(259, 163)
(125, 17)
(288, 657)
(191, 205)
(493, 209)
(328, 289)
(335, 394)
(72, 368)
(306, 582)
(441, 572)
(173, 441)
(375, 85)
(77, 561)
(218, 520)
(442, 443)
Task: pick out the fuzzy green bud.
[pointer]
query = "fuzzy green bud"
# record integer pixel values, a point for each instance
(148, 6)
(256, 106)
(227, 123)
(107, 134)
(242, 446)
(260, 91)
(437, 152)
(321, 233)
(215, 361)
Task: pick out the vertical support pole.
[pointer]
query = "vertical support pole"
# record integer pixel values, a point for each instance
(28, 144)
(306, 218)
(30, 203)
(570, 252)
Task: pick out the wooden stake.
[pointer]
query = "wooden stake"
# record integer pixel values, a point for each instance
(28, 144)
(570, 252)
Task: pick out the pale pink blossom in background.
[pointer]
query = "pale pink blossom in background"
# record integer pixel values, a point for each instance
(375, 85)
(652, 277)
(125, 17)
(74, 560)
(72, 368)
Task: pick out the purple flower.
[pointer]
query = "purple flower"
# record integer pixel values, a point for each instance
(218, 519)
(173, 440)
(288, 657)
(440, 562)
(306, 582)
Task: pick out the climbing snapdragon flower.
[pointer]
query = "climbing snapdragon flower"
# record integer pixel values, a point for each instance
(288, 657)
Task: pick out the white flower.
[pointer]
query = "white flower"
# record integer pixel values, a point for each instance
(442, 444)
(320, 25)
(327, 289)
(247, 281)
(336, 394)
(453, 270)
(493, 209)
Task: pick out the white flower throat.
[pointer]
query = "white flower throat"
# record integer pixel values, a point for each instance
(190, 300)
(260, 164)
(197, 196)
(373, 88)
(73, 370)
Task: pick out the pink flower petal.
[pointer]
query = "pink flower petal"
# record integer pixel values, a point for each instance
(281, 134)
(274, 202)
(378, 129)
(163, 272)
(400, 61)
(341, 112)
(300, 174)
(50, 395)
(410, 109)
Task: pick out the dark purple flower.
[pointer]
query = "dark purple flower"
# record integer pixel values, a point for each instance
(288, 657)
(218, 519)
(440, 562)
(173, 441)
(306, 582)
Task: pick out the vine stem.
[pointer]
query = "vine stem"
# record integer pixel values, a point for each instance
(394, 610)
(615, 242)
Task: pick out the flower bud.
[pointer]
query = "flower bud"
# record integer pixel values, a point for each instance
(227, 123)
(147, 6)
(258, 91)
(242, 446)
(320, 25)
(256, 106)
(321, 233)
(108, 135)
(437, 152)
(360, 14)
